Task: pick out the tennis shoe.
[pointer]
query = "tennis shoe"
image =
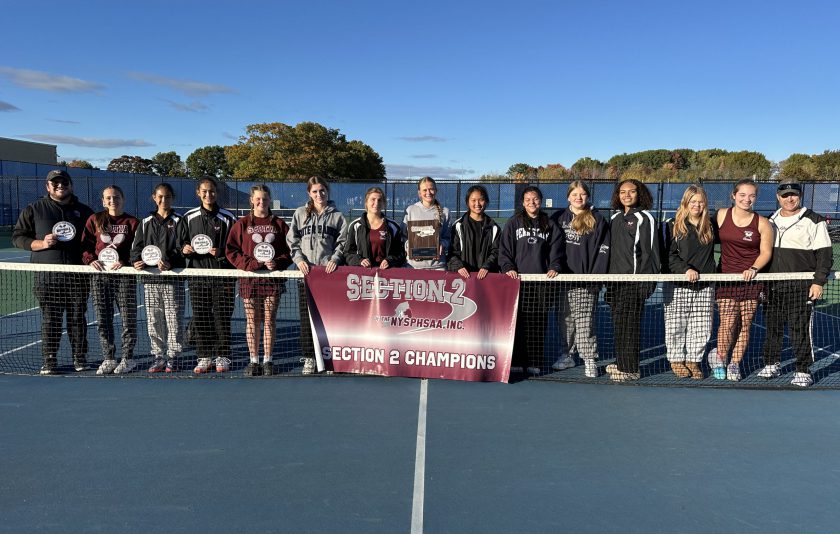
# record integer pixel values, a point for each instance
(158, 365)
(267, 368)
(590, 368)
(308, 366)
(50, 367)
(802, 380)
(126, 366)
(80, 364)
(253, 369)
(719, 373)
(564, 362)
(203, 366)
(620, 376)
(770, 371)
(107, 367)
(733, 372)
(534, 371)
(172, 366)
(695, 370)
(680, 370)
(222, 364)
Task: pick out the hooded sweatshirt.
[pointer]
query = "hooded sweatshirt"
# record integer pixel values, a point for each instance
(316, 238)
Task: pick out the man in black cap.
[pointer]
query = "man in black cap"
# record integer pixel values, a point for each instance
(802, 244)
(51, 228)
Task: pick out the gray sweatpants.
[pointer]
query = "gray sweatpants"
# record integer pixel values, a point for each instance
(688, 322)
(165, 314)
(579, 319)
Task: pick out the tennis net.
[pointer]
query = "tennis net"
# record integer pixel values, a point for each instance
(655, 329)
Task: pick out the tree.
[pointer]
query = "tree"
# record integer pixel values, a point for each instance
(168, 164)
(79, 164)
(828, 165)
(587, 168)
(553, 172)
(132, 164)
(208, 161)
(493, 178)
(800, 167)
(276, 151)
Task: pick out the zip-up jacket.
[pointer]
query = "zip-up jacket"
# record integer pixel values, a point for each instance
(119, 236)
(215, 224)
(162, 233)
(688, 252)
(528, 250)
(248, 232)
(316, 238)
(358, 243)
(634, 243)
(585, 254)
(464, 253)
(38, 219)
(802, 246)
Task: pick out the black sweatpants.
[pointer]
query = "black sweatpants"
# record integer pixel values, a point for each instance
(627, 303)
(787, 303)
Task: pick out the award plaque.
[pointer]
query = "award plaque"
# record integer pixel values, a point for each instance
(264, 252)
(423, 239)
(108, 256)
(64, 231)
(201, 244)
(151, 255)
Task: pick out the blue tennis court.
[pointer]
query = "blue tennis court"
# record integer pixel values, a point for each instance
(356, 454)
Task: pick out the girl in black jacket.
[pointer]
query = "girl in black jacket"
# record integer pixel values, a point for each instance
(373, 240)
(475, 238)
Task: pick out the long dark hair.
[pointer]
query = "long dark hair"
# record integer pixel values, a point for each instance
(522, 215)
(644, 200)
(315, 180)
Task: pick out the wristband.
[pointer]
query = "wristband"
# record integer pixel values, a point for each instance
(753, 268)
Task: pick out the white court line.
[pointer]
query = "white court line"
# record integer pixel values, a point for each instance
(36, 342)
(420, 462)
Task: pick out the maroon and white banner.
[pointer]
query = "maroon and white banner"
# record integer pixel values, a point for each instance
(411, 322)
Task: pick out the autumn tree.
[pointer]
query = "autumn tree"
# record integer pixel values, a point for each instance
(168, 164)
(277, 151)
(553, 172)
(208, 161)
(78, 164)
(131, 164)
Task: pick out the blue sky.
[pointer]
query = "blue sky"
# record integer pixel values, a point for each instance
(450, 89)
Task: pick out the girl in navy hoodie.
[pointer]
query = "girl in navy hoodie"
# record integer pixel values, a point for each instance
(587, 250)
(531, 244)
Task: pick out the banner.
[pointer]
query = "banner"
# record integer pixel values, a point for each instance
(413, 322)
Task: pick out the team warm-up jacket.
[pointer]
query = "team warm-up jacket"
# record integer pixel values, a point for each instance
(358, 243)
(688, 252)
(315, 238)
(120, 235)
(474, 250)
(804, 246)
(634, 243)
(162, 233)
(585, 254)
(215, 224)
(528, 250)
(38, 219)
(241, 242)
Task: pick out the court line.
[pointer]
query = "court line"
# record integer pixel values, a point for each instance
(35, 342)
(420, 462)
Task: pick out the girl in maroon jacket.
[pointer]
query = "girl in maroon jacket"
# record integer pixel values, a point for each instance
(106, 246)
(257, 242)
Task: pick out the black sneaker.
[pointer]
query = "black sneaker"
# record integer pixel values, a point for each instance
(267, 369)
(80, 364)
(50, 366)
(253, 369)
(173, 365)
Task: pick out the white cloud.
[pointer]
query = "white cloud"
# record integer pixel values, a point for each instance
(91, 142)
(192, 107)
(413, 171)
(227, 135)
(424, 156)
(423, 139)
(63, 121)
(5, 106)
(44, 81)
(188, 87)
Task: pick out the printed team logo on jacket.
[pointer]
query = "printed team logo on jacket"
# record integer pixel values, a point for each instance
(320, 229)
(533, 235)
(748, 235)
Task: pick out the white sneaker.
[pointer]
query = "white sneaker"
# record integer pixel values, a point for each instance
(222, 364)
(770, 371)
(802, 380)
(591, 368)
(203, 366)
(107, 367)
(564, 362)
(733, 372)
(126, 366)
(533, 370)
(309, 367)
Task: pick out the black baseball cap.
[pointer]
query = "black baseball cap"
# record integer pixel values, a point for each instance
(789, 187)
(58, 174)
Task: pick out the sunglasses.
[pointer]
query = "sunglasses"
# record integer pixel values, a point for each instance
(56, 183)
(787, 185)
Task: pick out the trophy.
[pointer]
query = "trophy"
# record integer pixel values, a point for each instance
(423, 239)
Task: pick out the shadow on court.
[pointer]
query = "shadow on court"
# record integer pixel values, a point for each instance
(337, 454)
